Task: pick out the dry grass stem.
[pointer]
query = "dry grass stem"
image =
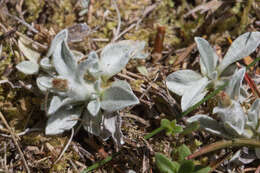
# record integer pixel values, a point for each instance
(15, 142)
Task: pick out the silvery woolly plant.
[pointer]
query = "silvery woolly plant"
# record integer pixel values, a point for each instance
(193, 86)
(233, 121)
(80, 86)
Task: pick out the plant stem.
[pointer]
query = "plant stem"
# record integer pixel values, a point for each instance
(100, 163)
(250, 81)
(154, 132)
(224, 144)
(158, 44)
(13, 135)
(252, 85)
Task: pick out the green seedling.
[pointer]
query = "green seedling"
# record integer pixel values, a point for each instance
(165, 165)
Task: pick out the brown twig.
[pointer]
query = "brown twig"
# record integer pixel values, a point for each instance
(5, 158)
(10, 83)
(211, 5)
(66, 147)
(18, 8)
(219, 161)
(7, 34)
(125, 31)
(185, 53)
(26, 131)
(41, 46)
(15, 142)
(251, 83)
(74, 166)
(137, 118)
(130, 79)
(117, 32)
(225, 144)
(249, 170)
(136, 75)
(4, 130)
(146, 12)
(257, 169)
(23, 22)
(90, 11)
(158, 44)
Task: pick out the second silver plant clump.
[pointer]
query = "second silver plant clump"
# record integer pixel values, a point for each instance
(233, 121)
(193, 86)
(80, 88)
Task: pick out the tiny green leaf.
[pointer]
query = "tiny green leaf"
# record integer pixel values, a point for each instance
(191, 128)
(166, 123)
(203, 170)
(165, 165)
(143, 70)
(183, 152)
(187, 166)
(175, 127)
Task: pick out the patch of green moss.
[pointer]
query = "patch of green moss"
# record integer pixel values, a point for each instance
(34, 139)
(61, 166)
(140, 34)
(227, 24)
(7, 55)
(34, 8)
(63, 14)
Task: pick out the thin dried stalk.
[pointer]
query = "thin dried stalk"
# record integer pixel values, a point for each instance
(15, 142)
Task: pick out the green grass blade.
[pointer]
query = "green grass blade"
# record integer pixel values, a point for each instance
(100, 163)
